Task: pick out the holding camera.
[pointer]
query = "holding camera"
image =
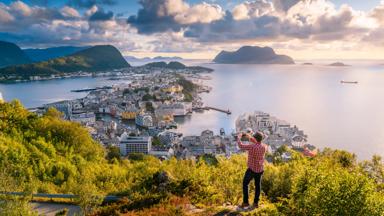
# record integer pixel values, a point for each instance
(256, 152)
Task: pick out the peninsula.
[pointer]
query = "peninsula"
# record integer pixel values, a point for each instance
(95, 59)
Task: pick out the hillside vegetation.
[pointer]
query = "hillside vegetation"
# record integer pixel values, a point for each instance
(48, 155)
(97, 58)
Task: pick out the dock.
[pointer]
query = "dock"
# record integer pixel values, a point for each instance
(228, 112)
(91, 89)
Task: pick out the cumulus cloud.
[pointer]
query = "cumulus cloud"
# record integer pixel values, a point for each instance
(69, 12)
(5, 16)
(90, 3)
(247, 10)
(101, 15)
(262, 20)
(165, 15)
(37, 26)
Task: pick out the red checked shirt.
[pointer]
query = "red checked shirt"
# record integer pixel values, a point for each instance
(256, 152)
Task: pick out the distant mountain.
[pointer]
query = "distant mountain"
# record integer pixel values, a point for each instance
(11, 54)
(338, 64)
(170, 65)
(97, 58)
(157, 58)
(176, 66)
(38, 55)
(252, 55)
(162, 58)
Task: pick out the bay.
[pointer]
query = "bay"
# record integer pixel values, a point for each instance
(332, 114)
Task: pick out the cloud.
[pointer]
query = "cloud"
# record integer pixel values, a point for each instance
(259, 20)
(173, 15)
(285, 5)
(247, 10)
(101, 15)
(67, 11)
(5, 16)
(90, 3)
(37, 26)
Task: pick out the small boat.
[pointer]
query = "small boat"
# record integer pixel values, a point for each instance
(349, 82)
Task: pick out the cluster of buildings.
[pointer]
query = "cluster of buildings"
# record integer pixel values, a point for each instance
(130, 114)
(277, 132)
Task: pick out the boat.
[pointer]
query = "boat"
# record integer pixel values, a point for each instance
(349, 82)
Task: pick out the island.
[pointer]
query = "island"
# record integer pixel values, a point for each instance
(338, 64)
(307, 63)
(11, 54)
(95, 59)
(252, 55)
(176, 66)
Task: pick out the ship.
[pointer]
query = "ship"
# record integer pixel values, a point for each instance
(349, 82)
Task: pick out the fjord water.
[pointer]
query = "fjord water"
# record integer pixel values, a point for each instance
(341, 116)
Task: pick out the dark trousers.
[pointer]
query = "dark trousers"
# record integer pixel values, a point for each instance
(249, 175)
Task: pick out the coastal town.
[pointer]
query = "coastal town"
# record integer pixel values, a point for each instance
(138, 115)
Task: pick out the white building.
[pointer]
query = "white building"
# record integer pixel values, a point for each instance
(144, 120)
(174, 109)
(84, 118)
(130, 144)
(1, 98)
(62, 106)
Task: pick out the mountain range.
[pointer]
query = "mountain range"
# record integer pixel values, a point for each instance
(11, 54)
(38, 55)
(157, 58)
(93, 59)
(252, 55)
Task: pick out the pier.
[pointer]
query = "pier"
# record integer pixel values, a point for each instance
(228, 112)
(91, 89)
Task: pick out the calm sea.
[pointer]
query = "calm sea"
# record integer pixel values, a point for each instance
(340, 116)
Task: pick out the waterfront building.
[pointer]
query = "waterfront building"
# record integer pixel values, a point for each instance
(206, 137)
(1, 98)
(84, 118)
(174, 109)
(134, 144)
(144, 120)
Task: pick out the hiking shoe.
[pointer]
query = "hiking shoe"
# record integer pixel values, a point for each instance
(255, 206)
(243, 207)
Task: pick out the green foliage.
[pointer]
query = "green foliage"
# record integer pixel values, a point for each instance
(149, 107)
(113, 153)
(148, 97)
(188, 88)
(156, 141)
(49, 155)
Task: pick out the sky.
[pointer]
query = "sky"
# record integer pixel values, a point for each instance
(303, 29)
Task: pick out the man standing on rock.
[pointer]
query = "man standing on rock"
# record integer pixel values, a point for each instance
(256, 152)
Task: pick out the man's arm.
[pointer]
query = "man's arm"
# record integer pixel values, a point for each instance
(241, 145)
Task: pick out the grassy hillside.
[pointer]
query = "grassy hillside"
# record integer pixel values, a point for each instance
(46, 154)
(97, 58)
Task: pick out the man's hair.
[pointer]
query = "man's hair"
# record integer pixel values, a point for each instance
(258, 136)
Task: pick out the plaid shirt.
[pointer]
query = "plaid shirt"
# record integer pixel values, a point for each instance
(256, 152)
